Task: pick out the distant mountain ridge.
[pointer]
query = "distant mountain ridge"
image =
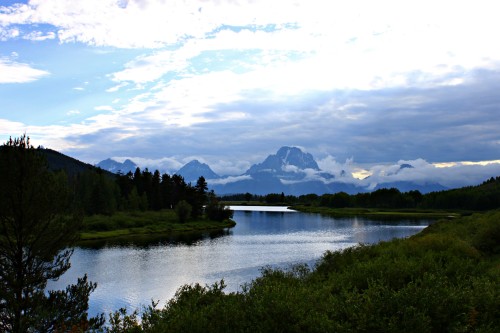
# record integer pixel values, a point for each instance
(290, 170)
(194, 170)
(477, 197)
(283, 160)
(117, 167)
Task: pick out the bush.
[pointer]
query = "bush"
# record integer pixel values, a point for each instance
(218, 212)
(183, 211)
(488, 238)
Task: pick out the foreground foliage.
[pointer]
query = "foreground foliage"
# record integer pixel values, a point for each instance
(445, 279)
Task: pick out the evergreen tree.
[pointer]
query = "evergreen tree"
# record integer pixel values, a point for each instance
(147, 186)
(178, 189)
(156, 200)
(133, 200)
(138, 181)
(198, 196)
(166, 191)
(36, 230)
(98, 193)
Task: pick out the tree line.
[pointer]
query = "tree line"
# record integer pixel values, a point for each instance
(485, 196)
(99, 192)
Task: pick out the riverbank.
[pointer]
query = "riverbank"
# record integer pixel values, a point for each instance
(123, 224)
(381, 213)
(444, 279)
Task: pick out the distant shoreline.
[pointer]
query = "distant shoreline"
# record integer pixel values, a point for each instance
(381, 213)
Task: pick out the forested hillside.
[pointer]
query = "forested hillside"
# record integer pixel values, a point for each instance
(97, 191)
(58, 161)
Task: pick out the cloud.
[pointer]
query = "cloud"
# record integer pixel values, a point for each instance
(421, 172)
(15, 72)
(147, 68)
(39, 36)
(117, 87)
(7, 34)
(458, 174)
(14, 127)
(72, 112)
(224, 166)
(233, 78)
(376, 43)
(108, 23)
(103, 108)
(228, 180)
(330, 165)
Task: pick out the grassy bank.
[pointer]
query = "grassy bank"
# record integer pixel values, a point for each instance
(444, 279)
(123, 224)
(381, 213)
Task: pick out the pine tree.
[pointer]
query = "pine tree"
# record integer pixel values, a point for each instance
(36, 233)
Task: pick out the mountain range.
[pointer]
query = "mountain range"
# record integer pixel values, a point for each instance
(117, 167)
(290, 171)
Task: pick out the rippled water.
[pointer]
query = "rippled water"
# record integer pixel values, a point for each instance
(131, 273)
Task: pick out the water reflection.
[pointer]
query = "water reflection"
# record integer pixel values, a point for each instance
(132, 271)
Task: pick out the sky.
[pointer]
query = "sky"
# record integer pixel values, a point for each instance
(361, 85)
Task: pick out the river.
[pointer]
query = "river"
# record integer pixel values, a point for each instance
(132, 272)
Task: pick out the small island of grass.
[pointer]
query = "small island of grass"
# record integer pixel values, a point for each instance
(145, 223)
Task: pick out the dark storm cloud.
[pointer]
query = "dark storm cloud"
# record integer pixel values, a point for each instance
(450, 123)
(444, 123)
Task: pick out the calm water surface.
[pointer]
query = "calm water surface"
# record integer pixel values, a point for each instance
(132, 273)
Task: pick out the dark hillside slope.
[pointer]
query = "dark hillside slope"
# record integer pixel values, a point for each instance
(58, 161)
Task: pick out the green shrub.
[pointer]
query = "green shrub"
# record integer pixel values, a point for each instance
(488, 238)
(183, 211)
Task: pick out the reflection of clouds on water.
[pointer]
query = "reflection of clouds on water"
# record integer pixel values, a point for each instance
(131, 276)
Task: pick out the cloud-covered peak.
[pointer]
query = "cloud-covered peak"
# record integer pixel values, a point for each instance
(286, 160)
(296, 157)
